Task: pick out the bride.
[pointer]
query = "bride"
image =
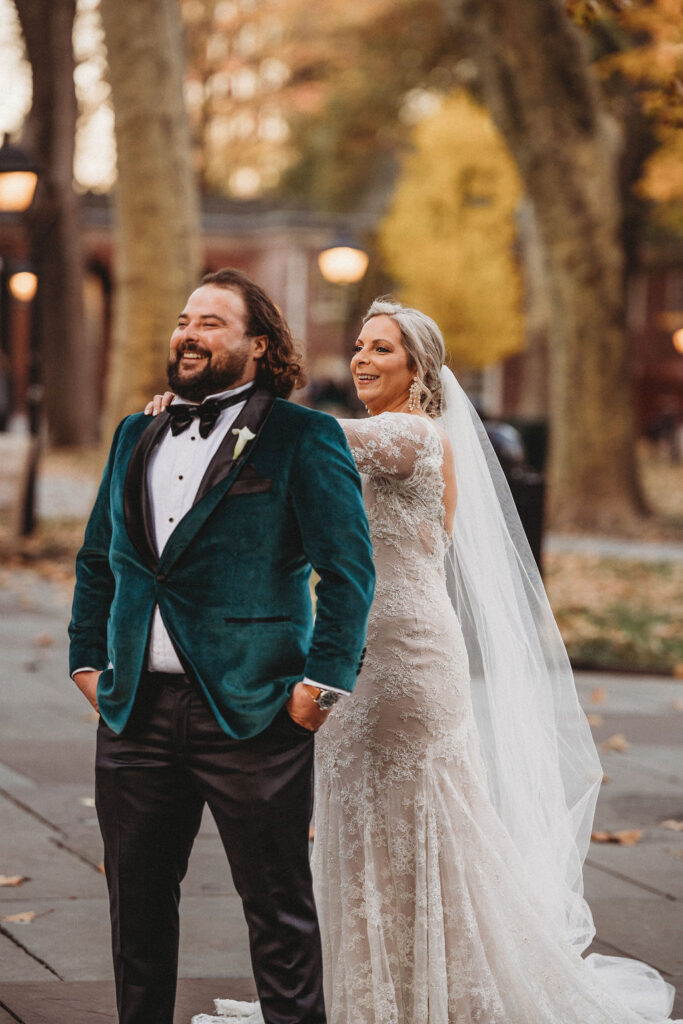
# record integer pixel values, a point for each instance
(455, 789)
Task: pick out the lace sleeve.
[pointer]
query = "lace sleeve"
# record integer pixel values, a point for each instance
(390, 444)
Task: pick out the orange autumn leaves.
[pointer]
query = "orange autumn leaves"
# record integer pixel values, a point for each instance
(625, 837)
(24, 916)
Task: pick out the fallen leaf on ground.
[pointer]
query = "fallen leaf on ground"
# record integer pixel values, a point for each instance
(678, 670)
(606, 778)
(595, 720)
(311, 834)
(87, 801)
(672, 825)
(43, 640)
(24, 917)
(598, 696)
(13, 879)
(100, 867)
(626, 837)
(616, 742)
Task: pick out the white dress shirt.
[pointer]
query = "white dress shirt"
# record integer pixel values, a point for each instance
(175, 471)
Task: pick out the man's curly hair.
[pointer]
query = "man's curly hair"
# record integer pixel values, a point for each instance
(280, 369)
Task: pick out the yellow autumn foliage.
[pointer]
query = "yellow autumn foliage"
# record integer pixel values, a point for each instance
(662, 179)
(449, 236)
(650, 57)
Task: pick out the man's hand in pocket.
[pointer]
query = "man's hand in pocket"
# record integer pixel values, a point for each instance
(87, 683)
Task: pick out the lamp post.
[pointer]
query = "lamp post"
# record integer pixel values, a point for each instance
(18, 180)
(343, 264)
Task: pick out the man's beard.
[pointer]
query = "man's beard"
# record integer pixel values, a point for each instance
(220, 373)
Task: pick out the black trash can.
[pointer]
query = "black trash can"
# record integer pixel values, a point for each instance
(526, 482)
(528, 491)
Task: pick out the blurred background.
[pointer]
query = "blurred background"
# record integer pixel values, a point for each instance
(514, 170)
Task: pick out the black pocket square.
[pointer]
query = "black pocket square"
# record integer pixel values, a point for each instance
(250, 481)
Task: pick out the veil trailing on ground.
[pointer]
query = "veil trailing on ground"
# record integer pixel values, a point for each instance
(543, 769)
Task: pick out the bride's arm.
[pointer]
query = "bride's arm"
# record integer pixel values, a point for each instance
(384, 445)
(388, 444)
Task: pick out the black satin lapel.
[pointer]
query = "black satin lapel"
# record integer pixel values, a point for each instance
(137, 508)
(254, 416)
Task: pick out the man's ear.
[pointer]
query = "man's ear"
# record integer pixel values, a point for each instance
(260, 344)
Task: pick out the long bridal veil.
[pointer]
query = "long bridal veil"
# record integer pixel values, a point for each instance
(543, 769)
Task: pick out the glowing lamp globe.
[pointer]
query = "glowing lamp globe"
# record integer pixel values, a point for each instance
(678, 339)
(343, 264)
(23, 285)
(18, 178)
(16, 190)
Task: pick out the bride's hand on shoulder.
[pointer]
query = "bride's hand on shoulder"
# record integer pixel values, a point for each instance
(159, 403)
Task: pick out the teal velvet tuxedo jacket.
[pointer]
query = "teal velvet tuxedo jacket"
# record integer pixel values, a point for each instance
(232, 582)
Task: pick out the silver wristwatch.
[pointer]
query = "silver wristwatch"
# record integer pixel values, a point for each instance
(326, 699)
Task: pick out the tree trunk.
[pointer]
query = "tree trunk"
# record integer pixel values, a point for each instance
(532, 402)
(540, 90)
(158, 228)
(68, 367)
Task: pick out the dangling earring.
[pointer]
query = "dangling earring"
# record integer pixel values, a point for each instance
(414, 395)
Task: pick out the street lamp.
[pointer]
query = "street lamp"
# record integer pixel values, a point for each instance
(18, 178)
(343, 264)
(678, 340)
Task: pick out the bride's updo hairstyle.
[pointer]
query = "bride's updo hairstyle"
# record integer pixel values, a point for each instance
(424, 345)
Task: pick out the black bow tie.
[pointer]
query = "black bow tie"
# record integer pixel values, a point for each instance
(207, 413)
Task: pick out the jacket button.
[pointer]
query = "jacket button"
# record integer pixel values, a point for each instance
(161, 577)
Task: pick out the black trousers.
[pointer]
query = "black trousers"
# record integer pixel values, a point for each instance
(151, 785)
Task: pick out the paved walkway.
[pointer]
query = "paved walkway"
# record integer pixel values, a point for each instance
(64, 495)
(609, 547)
(56, 969)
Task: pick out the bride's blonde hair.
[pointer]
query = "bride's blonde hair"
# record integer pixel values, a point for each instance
(424, 344)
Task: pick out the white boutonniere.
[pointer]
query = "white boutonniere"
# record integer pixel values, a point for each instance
(244, 436)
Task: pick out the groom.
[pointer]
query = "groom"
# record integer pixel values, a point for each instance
(192, 635)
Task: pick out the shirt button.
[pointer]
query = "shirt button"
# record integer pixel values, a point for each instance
(181, 477)
(193, 439)
(170, 519)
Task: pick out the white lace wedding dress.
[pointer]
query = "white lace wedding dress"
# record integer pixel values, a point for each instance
(428, 914)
